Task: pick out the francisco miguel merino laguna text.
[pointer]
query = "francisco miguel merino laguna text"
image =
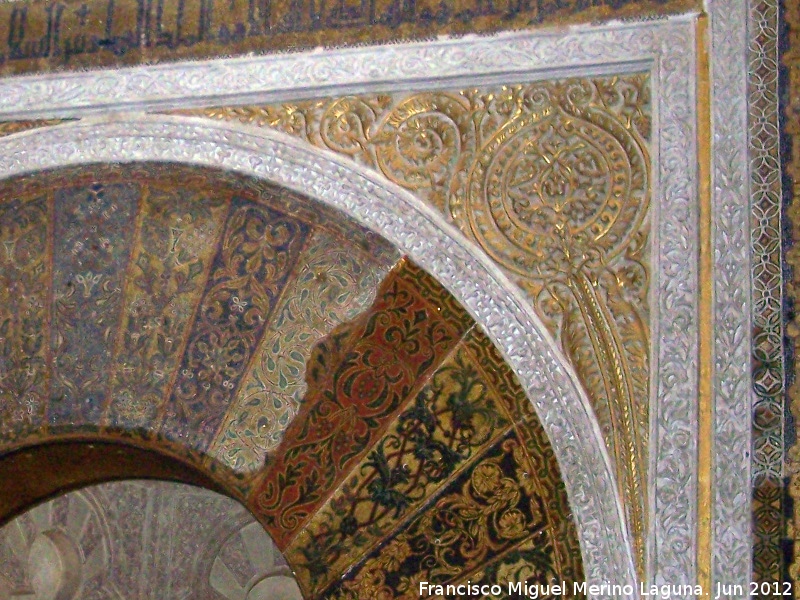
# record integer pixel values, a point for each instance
(537, 590)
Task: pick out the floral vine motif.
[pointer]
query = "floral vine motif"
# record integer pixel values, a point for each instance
(551, 179)
(332, 285)
(359, 379)
(178, 233)
(24, 283)
(259, 249)
(440, 430)
(93, 230)
(483, 515)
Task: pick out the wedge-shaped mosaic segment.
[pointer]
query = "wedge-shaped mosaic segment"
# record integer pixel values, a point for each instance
(449, 420)
(333, 284)
(25, 283)
(177, 234)
(93, 235)
(489, 513)
(258, 253)
(359, 378)
(455, 481)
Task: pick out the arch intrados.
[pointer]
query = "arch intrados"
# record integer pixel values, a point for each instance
(36, 473)
(416, 230)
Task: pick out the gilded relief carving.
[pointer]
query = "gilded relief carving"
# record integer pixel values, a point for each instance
(552, 180)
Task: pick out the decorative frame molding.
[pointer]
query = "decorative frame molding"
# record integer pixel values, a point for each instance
(666, 48)
(499, 59)
(733, 397)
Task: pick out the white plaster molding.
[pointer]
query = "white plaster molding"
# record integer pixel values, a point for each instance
(502, 58)
(733, 396)
(665, 48)
(673, 441)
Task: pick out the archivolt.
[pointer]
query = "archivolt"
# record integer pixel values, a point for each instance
(416, 230)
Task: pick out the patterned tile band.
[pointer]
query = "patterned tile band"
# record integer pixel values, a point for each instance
(332, 285)
(769, 409)
(359, 378)
(259, 249)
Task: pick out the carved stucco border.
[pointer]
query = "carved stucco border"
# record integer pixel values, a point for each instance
(733, 396)
(665, 48)
(502, 58)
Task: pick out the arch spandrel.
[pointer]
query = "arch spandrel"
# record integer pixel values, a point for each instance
(175, 308)
(551, 179)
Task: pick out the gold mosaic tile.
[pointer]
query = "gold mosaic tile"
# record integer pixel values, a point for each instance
(176, 238)
(157, 310)
(491, 511)
(25, 284)
(448, 422)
